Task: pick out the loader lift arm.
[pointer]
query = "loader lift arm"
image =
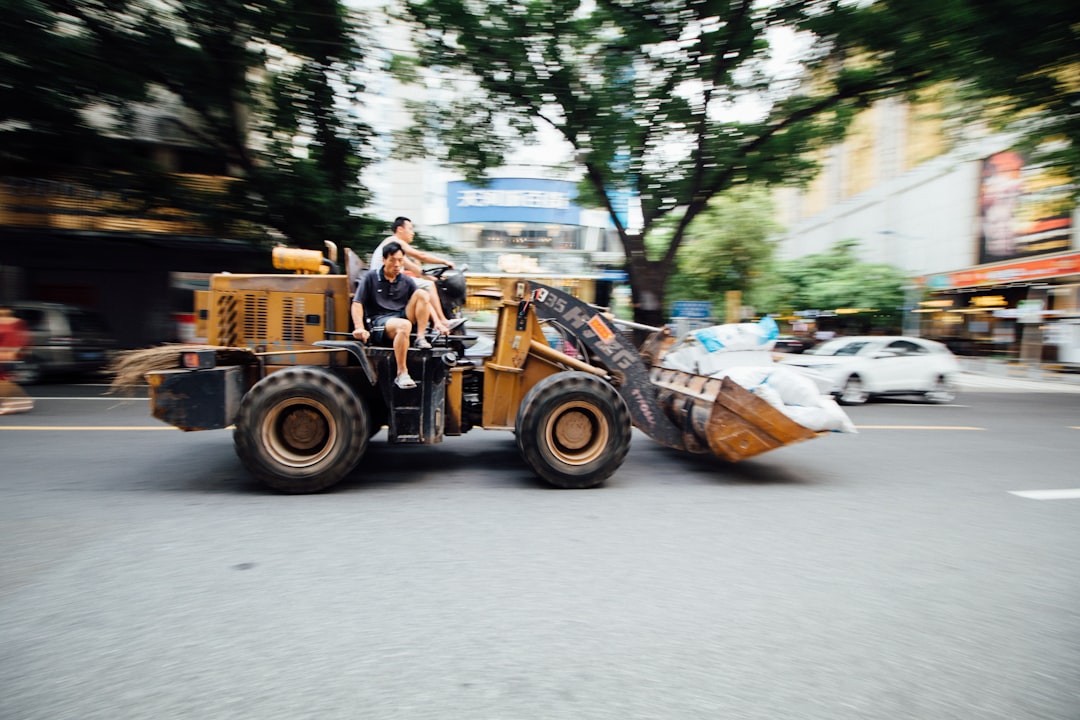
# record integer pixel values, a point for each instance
(620, 359)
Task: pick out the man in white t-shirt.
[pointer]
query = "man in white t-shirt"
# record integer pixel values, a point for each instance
(403, 233)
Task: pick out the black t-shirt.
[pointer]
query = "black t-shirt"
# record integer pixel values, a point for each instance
(379, 296)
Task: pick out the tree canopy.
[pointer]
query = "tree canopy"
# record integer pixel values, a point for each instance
(675, 102)
(266, 92)
(831, 280)
(726, 247)
(837, 278)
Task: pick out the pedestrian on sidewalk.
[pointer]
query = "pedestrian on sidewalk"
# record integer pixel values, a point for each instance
(13, 338)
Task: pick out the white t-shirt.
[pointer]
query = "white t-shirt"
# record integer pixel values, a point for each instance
(376, 255)
(377, 262)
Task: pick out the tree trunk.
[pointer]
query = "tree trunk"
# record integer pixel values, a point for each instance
(648, 279)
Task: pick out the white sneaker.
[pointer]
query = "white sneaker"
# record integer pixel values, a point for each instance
(451, 324)
(405, 381)
(422, 343)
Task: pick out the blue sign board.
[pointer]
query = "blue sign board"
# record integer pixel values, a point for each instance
(937, 282)
(699, 309)
(514, 200)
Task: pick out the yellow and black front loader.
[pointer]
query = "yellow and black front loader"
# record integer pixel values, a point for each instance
(305, 399)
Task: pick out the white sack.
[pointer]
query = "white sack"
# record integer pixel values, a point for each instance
(794, 387)
(827, 417)
(683, 358)
(793, 394)
(716, 362)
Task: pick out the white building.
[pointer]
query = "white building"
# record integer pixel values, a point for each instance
(988, 239)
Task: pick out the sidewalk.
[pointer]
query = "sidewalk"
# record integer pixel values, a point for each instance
(985, 373)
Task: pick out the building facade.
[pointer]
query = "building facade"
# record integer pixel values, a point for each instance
(85, 242)
(987, 237)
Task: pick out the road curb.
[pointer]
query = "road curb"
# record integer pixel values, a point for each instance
(1017, 370)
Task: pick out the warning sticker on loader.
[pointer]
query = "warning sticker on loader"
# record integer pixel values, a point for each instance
(598, 326)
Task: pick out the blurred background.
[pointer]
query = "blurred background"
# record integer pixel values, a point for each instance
(886, 168)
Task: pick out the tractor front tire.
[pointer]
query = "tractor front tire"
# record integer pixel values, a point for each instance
(573, 430)
(301, 430)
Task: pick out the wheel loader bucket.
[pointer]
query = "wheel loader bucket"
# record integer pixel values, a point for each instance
(677, 409)
(722, 417)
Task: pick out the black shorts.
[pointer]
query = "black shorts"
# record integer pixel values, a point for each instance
(378, 325)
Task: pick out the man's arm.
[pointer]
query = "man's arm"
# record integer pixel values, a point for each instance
(359, 332)
(422, 256)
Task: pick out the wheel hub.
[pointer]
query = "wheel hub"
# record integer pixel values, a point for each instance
(577, 434)
(574, 430)
(298, 433)
(303, 429)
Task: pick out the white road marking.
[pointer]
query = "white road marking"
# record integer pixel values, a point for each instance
(111, 428)
(68, 428)
(1067, 494)
(917, 427)
(38, 398)
(925, 406)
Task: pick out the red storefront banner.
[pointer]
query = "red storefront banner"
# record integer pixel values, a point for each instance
(1039, 269)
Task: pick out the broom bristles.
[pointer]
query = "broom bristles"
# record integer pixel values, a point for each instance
(129, 368)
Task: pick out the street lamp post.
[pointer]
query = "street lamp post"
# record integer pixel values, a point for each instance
(909, 319)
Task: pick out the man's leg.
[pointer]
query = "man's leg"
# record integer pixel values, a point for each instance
(436, 304)
(397, 331)
(438, 318)
(418, 311)
(438, 310)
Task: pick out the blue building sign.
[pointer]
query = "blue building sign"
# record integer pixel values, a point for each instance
(514, 200)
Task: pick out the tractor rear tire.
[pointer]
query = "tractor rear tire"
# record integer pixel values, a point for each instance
(301, 430)
(573, 430)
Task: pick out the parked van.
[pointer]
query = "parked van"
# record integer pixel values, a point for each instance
(64, 340)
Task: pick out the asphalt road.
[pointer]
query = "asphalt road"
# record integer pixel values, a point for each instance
(888, 574)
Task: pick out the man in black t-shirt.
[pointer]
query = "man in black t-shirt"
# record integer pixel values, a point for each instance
(389, 299)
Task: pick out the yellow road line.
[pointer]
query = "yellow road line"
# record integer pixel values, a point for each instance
(917, 427)
(84, 427)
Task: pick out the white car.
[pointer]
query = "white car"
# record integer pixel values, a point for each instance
(864, 366)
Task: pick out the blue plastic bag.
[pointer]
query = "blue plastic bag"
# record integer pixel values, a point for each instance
(738, 336)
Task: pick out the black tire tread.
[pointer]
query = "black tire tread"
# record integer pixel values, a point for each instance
(557, 389)
(303, 381)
